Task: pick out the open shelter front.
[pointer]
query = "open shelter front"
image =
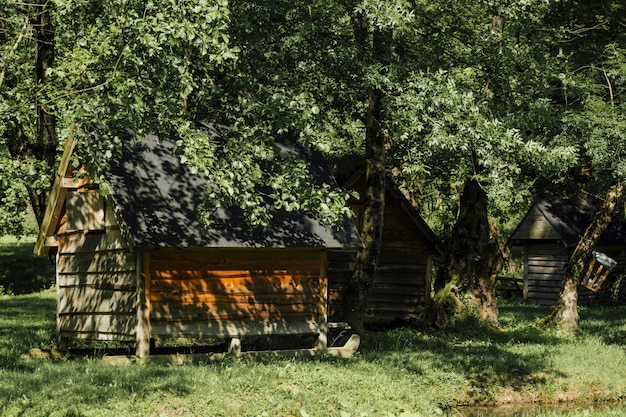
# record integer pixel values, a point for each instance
(137, 265)
(549, 233)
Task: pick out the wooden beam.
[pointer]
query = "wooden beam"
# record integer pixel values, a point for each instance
(143, 305)
(62, 341)
(74, 183)
(346, 351)
(55, 201)
(240, 328)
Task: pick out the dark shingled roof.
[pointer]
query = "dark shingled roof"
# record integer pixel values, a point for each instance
(159, 199)
(571, 217)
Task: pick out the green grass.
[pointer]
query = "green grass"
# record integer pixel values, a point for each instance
(401, 372)
(22, 272)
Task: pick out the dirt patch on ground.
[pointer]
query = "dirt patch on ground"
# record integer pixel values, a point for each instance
(43, 354)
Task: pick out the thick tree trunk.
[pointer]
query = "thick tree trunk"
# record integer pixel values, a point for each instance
(43, 147)
(475, 259)
(565, 313)
(46, 141)
(354, 304)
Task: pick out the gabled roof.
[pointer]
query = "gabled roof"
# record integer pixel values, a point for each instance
(156, 200)
(564, 220)
(159, 199)
(352, 171)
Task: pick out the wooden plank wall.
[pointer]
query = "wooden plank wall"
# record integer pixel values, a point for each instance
(402, 284)
(544, 271)
(96, 287)
(236, 293)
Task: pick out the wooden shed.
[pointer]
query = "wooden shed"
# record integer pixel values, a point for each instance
(402, 285)
(548, 233)
(137, 265)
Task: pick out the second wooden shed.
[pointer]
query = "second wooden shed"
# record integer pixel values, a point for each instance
(548, 233)
(402, 285)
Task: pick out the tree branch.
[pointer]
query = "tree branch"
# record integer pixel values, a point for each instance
(13, 49)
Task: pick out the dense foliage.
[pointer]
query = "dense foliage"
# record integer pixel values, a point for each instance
(521, 97)
(501, 92)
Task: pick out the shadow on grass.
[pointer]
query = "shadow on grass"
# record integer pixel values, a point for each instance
(21, 271)
(66, 388)
(607, 323)
(516, 356)
(25, 322)
(519, 355)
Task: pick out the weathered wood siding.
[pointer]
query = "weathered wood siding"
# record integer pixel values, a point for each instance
(96, 277)
(236, 293)
(544, 270)
(402, 283)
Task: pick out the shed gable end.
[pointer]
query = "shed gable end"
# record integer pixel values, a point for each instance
(535, 226)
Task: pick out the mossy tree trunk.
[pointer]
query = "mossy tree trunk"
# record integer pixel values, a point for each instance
(473, 263)
(565, 313)
(356, 299)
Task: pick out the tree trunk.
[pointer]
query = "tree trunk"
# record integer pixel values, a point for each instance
(46, 141)
(355, 301)
(354, 304)
(565, 313)
(475, 259)
(43, 147)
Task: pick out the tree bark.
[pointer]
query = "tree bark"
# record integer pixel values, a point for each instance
(354, 303)
(565, 313)
(475, 259)
(46, 141)
(43, 146)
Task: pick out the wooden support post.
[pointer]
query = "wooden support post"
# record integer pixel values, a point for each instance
(234, 347)
(525, 272)
(322, 339)
(63, 342)
(143, 306)
(428, 280)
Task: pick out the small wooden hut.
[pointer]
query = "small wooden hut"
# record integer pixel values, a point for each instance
(402, 286)
(548, 233)
(137, 265)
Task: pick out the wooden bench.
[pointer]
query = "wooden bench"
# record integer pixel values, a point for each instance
(510, 286)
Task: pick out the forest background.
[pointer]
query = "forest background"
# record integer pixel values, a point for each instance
(500, 102)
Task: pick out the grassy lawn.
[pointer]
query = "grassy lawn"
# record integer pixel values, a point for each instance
(21, 271)
(401, 372)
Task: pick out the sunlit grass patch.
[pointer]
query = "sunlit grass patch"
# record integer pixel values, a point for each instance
(399, 372)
